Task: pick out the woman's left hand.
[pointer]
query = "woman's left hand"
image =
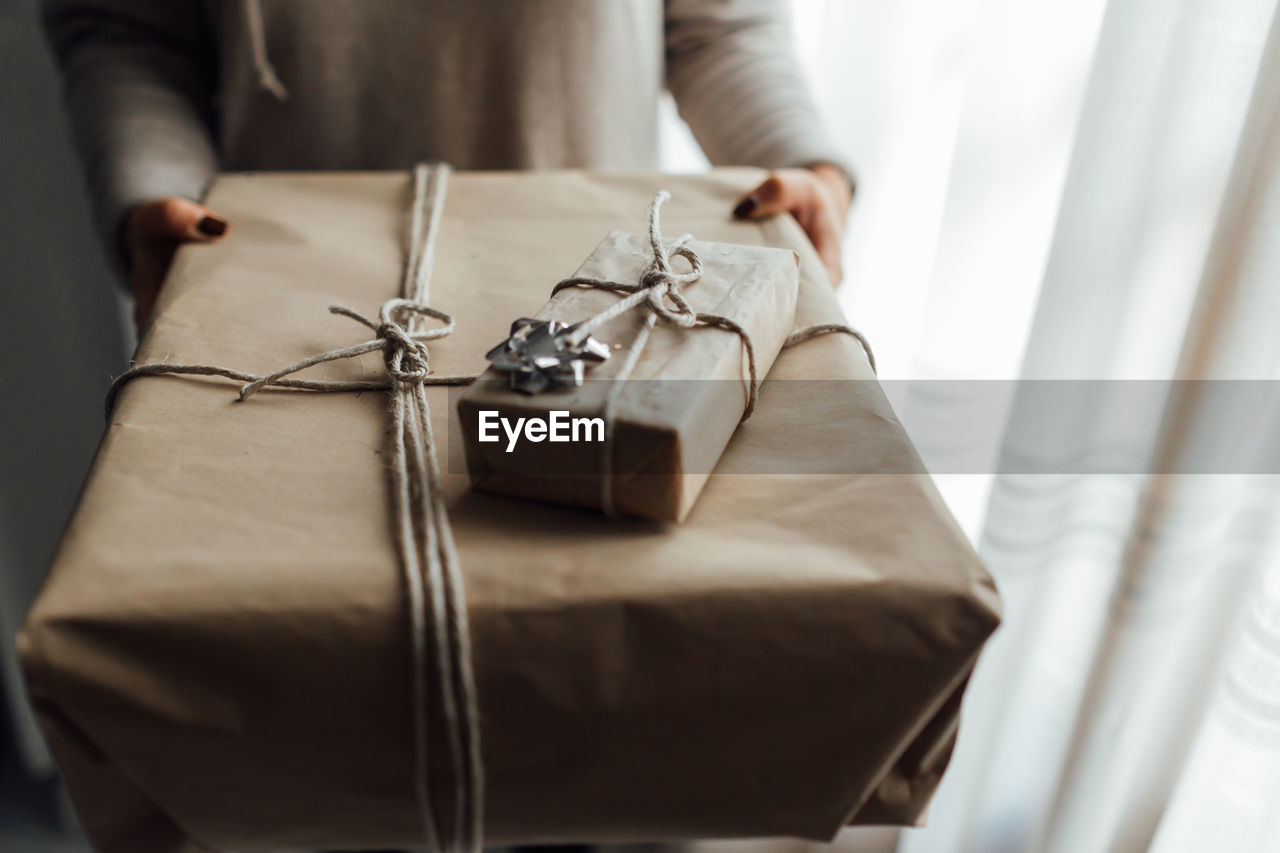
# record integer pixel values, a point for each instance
(817, 196)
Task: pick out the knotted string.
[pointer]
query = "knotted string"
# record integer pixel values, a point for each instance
(660, 291)
(424, 540)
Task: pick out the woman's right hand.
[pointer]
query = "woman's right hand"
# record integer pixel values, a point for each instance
(150, 235)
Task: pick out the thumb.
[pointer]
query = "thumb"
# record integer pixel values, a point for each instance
(774, 195)
(176, 219)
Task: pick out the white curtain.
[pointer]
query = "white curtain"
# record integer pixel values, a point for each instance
(1084, 190)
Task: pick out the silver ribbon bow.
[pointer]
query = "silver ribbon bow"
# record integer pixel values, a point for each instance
(541, 354)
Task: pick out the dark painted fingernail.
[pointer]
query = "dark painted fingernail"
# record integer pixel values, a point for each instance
(744, 208)
(212, 226)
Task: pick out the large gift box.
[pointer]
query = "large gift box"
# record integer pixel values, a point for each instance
(223, 657)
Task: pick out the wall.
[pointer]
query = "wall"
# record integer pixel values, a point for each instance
(59, 320)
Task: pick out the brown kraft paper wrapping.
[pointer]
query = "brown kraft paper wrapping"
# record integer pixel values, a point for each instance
(220, 655)
(668, 432)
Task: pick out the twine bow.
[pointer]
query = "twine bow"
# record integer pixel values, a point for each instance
(404, 352)
(661, 290)
(657, 285)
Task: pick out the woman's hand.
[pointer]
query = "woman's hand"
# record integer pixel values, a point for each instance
(818, 197)
(151, 233)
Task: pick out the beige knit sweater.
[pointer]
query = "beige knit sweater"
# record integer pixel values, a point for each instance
(164, 93)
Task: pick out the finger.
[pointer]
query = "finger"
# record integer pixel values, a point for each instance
(824, 232)
(781, 192)
(176, 219)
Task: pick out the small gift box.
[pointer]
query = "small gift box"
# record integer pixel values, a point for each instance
(670, 376)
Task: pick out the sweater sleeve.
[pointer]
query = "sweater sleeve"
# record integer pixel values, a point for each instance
(138, 80)
(736, 81)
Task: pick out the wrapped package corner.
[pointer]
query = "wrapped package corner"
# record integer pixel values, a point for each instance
(220, 655)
